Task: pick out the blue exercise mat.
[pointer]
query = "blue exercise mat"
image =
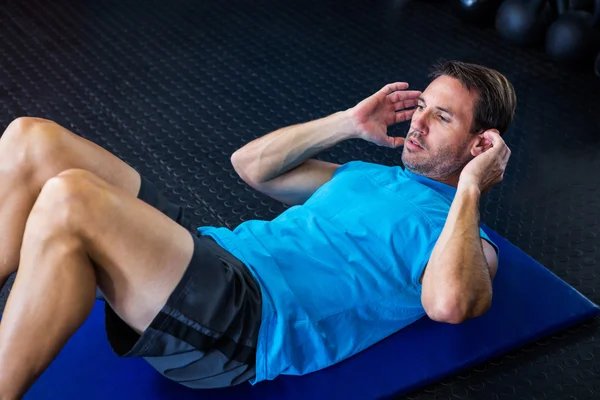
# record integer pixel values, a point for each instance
(529, 303)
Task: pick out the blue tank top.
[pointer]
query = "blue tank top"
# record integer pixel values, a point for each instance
(340, 272)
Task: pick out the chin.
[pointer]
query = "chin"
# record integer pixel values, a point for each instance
(406, 157)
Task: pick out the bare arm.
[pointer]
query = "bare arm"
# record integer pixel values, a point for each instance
(280, 164)
(457, 283)
(265, 162)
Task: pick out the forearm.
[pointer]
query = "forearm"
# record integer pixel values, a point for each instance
(276, 153)
(458, 274)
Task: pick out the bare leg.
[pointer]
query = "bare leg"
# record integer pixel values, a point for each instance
(81, 232)
(32, 151)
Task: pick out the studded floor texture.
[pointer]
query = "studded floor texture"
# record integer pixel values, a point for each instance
(174, 87)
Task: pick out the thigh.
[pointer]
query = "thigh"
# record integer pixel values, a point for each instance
(139, 253)
(182, 302)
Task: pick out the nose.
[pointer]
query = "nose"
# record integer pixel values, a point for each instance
(420, 122)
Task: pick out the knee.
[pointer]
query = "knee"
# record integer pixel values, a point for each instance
(27, 139)
(67, 199)
(23, 128)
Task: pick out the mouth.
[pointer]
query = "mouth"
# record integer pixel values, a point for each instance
(415, 143)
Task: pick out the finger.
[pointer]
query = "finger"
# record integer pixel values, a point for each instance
(397, 141)
(498, 144)
(504, 150)
(404, 95)
(403, 104)
(494, 136)
(391, 142)
(402, 116)
(506, 157)
(392, 87)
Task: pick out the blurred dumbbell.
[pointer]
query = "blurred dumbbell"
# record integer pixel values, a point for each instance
(574, 38)
(525, 22)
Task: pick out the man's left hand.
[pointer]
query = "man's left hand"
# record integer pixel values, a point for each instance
(487, 168)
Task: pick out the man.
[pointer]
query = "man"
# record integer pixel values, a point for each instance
(365, 250)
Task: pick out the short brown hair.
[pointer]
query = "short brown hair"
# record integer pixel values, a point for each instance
(496, 102)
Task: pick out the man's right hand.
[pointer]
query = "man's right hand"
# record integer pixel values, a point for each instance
(388, 106)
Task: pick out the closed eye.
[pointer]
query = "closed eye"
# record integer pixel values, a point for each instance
(421, 107)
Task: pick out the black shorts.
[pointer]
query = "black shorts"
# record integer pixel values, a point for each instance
(206, 334)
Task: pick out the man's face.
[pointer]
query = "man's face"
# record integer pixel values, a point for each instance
(441, 125)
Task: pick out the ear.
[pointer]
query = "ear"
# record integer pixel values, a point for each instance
(482, 143)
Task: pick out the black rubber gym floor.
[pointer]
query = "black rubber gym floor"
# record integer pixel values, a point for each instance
(174, 87)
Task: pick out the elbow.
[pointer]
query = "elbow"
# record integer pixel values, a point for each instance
(457, 310)
(448, 315)
(235, 160)
(239, 167)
